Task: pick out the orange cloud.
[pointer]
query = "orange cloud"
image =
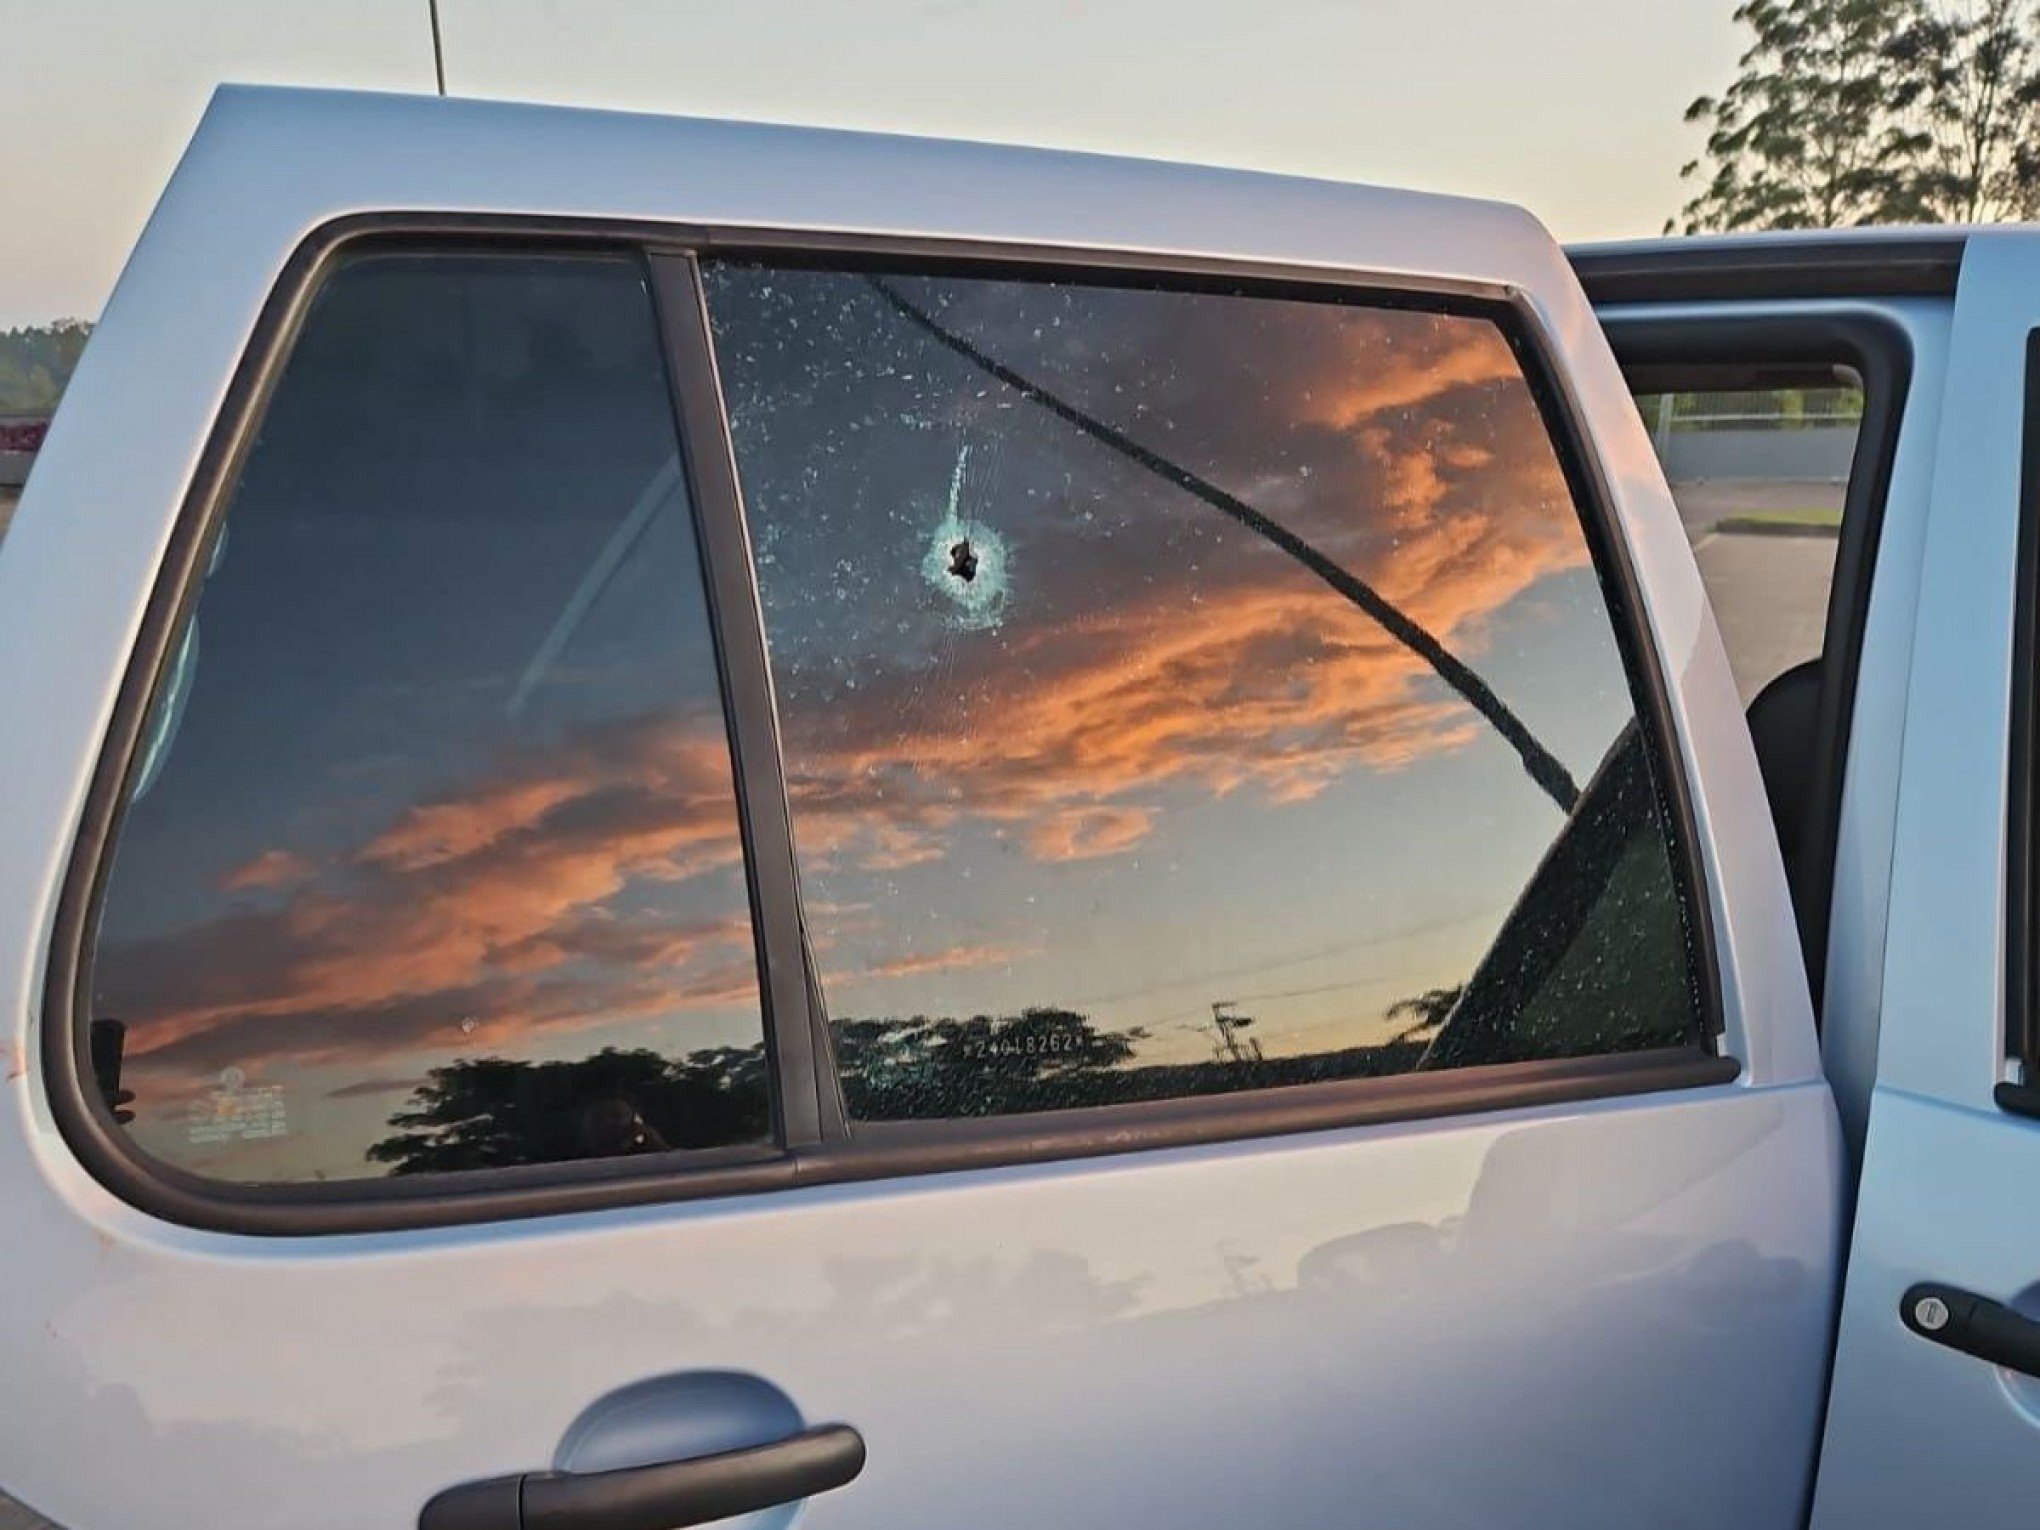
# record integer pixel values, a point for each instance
(1420, 362)
(940, 961)
(597, 881)
(487, 915)
(272, 868)
(1269, 682)
(1090, 832)
(436, 832)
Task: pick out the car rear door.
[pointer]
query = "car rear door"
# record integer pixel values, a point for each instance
(1936, 1409)
(709, 815)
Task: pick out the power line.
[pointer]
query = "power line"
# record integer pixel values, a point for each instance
(1182, 1017)
(1276, 963)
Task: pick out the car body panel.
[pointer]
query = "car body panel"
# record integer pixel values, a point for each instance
(1917, 1431)
(1566, 1315)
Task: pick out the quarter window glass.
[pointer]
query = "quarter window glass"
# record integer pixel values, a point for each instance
(1185, 692)
(431, 859)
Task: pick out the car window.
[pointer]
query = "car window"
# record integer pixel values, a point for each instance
(1187, 691)
(430, 859)
(1759, 476)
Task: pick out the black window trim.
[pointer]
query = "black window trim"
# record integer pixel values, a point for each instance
(748, 706)
(816, 1145)
(1878, 348)
(2022, 822)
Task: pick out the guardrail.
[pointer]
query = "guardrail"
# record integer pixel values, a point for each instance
(1754, 409)
(1802, 435)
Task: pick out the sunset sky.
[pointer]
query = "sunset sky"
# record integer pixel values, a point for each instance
(432, 788)
(1170, 767)
(1572, 110)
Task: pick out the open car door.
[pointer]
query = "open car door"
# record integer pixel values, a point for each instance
(1936, 1411)
(720, 816)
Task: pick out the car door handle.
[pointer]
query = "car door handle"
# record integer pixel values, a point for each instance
(664, 1496)
(1974, 1324)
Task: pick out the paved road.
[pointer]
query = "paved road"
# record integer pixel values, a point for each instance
(1770, 593)
(1770, 596)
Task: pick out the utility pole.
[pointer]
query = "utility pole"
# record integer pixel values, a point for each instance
(1229, 1048)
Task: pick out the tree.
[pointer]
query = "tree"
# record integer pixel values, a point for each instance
(36, 362)
(1808, 135)
(1860, 111)
(1968, 80)
(1425, 1011)
(908, 1069)
(491, 1112)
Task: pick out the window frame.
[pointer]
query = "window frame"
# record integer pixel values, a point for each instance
(176, 1194)
(1879, 350)
(815, 1143)
(2022, 812)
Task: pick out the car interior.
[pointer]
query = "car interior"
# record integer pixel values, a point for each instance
(1772, 540)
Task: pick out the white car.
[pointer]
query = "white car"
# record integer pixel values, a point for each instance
(702, 817)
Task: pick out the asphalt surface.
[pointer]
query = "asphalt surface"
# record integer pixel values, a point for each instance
(1769, 591)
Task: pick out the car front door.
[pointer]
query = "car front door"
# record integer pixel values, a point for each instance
(1936, 1411)
(720, 815)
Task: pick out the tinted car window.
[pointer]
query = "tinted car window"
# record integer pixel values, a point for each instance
(431, 859)
(1185, 692)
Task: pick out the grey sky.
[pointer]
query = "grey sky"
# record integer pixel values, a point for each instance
(1571, 109)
